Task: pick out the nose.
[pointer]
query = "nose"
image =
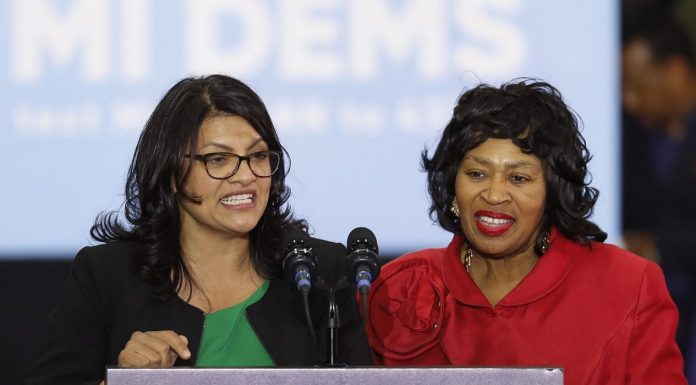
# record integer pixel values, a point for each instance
(243, 174)
(497, 191)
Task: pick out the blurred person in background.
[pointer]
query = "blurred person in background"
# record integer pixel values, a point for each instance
(659, 161)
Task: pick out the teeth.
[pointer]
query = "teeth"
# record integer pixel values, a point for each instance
(234, 200)
(494, 221)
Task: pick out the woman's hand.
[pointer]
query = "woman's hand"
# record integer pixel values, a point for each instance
(154, 349)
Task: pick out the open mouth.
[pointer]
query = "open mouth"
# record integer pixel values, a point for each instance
(238, 199)
(492, 223)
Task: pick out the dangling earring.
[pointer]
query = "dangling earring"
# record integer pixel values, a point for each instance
(545, 242)
(454, 207)
(466, 261)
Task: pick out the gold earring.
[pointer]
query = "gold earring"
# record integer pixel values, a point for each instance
(545, 242)
(454, 207)
(466, 261)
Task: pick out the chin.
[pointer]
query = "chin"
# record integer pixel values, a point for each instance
(240, 223)
(494, 247)
(494, 253)
(242, 229)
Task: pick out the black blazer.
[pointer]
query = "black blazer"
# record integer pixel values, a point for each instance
(105, 302)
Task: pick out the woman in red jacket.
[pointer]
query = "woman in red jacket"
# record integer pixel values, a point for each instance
(526, 279)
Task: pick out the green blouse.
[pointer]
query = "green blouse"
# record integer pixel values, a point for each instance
(229, 340)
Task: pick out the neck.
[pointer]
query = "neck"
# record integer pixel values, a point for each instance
(208, 251)
(496, 277)
(220, 270)
(215, 256)
(508, 269)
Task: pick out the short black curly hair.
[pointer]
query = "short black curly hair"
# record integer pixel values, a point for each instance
(533, 115)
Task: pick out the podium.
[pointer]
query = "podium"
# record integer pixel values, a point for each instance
(337, 376)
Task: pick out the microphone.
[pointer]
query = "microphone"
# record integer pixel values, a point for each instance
(299, 264)
(363, 260)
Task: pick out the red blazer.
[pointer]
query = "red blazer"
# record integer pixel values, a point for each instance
(601, 313)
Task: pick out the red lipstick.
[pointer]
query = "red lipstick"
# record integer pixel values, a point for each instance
(492, 223)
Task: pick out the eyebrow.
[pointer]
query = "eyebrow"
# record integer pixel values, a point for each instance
(230, 149)
(486, 162)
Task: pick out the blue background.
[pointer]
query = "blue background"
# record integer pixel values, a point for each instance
(71, 110)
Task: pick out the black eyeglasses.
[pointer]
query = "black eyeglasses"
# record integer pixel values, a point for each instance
(222, 165)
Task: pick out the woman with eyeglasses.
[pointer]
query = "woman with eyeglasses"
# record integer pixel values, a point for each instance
(193, 277)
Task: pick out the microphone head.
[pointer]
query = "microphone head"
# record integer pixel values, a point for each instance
(298, 254)
(293, 237)
(362, 237)
(363, 253)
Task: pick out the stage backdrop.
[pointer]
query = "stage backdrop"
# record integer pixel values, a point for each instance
(356, 89)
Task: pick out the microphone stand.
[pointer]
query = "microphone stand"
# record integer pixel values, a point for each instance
(333, 324)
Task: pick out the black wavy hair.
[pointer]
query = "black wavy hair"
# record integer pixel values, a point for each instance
(158, 170)
(533, 115)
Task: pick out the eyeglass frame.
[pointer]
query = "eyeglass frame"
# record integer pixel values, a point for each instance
(204, 158)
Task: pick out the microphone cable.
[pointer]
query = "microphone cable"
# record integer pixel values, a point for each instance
(310, 324)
